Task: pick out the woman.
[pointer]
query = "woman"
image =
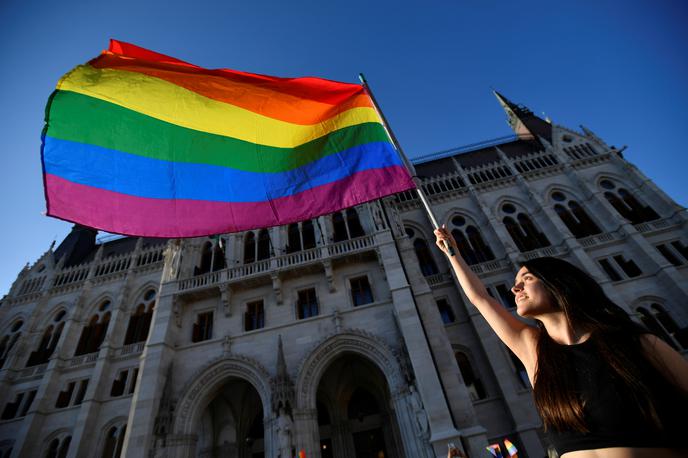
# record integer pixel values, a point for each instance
(603, 385)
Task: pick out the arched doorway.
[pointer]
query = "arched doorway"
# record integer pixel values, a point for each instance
(354, 415)
(231, 426)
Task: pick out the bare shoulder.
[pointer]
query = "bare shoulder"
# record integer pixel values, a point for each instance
(666, 360)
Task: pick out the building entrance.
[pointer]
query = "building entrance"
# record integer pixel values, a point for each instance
(355, 419)
(232, 424)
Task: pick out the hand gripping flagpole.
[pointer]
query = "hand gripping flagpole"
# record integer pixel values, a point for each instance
(407, 163)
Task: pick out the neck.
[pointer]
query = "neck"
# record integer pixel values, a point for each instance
(561, 331)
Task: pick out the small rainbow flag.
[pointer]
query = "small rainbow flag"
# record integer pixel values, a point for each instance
(140, 143)
(495, 450)
(511, 448)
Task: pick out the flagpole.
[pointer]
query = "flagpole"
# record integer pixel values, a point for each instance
(407, 163)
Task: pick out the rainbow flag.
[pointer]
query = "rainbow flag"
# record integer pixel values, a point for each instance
(140, 143)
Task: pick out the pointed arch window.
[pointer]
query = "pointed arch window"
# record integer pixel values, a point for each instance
(522, 230)
(58, 447)
(626, 204)
(346, 225)
(9, 340)
(206, 259)
(257, 250)
(470, 242)
(263, 251)
(446, 311)
(140, 320)
(212, 258)
(473, 384)
(114, 440)
(427, 263)
(574, 216)
(249, 247)
(300, 236)
(93, 334)
(48, 341)
(293, 238)
(658, 320)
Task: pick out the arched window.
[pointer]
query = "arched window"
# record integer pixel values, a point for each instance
(574, 216)
(249, 248)
(522, 230)
(206, 259)
(9, 340)
(471, 245)
(446, 311)
(114, 439)
(219, 261)
(48, 341)
(140, 320)
(473, 383)
(626, 204)
(293, 238)
(300, 236)
(658, 320)
(263, 245)
(212, 258)
(58, 447)
(93, 334)
(353, 223)
(346, 225)
(339, 227)
(427, 263)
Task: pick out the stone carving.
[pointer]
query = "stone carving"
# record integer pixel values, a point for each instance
(225, 298)
(277, 287)
(227, 346)
(284, 432)
(337, 320)
(281, 385)
(348, 340)
(207, 379)
(163, 422)
(329, 275)
(177, 310)
(172, 260)
(421, 418)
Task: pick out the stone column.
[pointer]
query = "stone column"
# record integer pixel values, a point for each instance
(157, 355)
(98, 384)
(31, 427)
(306, 435)
(430, 388)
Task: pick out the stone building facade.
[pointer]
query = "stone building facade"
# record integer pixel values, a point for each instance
(345, 336)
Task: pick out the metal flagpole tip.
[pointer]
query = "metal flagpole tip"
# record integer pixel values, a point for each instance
(361, 77)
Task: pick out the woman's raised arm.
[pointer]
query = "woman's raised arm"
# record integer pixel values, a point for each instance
(518, 336)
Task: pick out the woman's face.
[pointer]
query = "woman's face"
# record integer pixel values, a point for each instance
(532, 298)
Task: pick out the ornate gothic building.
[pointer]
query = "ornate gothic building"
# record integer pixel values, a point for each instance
(344, 336)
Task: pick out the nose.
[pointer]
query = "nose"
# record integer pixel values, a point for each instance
(517, 287)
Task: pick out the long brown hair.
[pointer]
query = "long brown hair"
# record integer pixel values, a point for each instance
(615, 336)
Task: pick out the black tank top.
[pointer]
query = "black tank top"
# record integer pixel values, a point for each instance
(609, 409)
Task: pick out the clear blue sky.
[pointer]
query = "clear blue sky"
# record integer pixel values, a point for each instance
(620, 68)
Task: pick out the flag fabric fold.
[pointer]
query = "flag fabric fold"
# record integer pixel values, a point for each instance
(140, 143)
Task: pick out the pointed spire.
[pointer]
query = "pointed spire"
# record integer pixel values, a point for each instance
(281, 364)
(523, 122)
(282, 387)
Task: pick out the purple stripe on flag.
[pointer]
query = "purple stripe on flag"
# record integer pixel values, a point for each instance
(126, 214)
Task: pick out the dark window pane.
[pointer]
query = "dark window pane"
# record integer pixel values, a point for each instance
(361, 292)
(611, 272)
(446, 312)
